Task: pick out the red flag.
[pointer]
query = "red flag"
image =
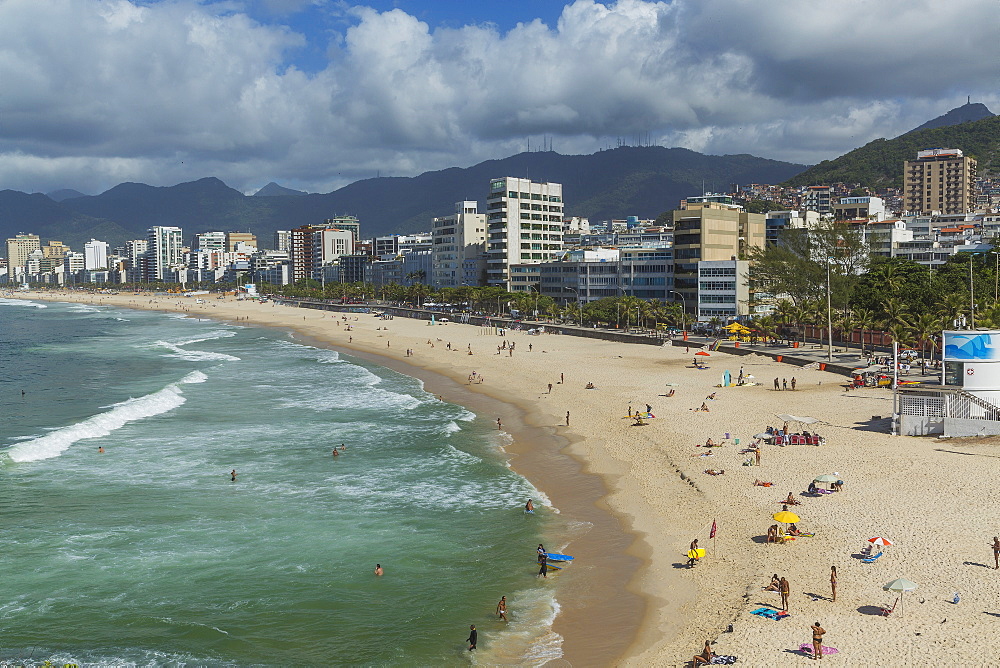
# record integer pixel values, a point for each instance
(712, 534)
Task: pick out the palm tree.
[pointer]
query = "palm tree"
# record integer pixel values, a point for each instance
(924, 328)
(951, 307)
(865, 319)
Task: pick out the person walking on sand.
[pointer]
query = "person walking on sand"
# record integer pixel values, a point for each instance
(996, 552)
(793, 383)
(693, 554)
(473, 637)
(502, 608)
(784, 589)
(833, 582)
(567, 418)
(776, 384)
(550, 388)
(818, 632)
(756, 455)
(784, 383)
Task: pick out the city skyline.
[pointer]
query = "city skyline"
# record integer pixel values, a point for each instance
(315, 94)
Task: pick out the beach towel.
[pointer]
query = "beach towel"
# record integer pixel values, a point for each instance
(808, 648)
(723, 660)
(769, 613)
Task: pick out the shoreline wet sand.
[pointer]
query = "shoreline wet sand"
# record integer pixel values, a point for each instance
(597, 587)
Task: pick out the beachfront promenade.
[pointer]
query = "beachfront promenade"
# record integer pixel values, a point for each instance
(845, 359)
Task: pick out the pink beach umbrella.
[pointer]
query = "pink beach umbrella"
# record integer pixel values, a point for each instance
(878, 540)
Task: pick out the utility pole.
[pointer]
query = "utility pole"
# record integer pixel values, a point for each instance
(829, 316)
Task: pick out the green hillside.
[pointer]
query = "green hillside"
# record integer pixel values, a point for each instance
(879, 164)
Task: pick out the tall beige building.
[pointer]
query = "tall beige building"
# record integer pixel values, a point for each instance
(939, 180)
(19, 247)
(524, 226)
(711, 231)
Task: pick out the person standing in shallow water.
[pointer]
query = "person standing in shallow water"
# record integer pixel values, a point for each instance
(232, 475)
(473, 637)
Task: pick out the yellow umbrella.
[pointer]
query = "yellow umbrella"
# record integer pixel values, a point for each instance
(786, 517)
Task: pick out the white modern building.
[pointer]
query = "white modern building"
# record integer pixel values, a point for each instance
(524, 225)
(723, 290)
(95, 255)
(164, 252)
(457, 240)
(776, 222)
(207, 241)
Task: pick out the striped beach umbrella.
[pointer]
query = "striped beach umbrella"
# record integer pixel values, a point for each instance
(878, 540)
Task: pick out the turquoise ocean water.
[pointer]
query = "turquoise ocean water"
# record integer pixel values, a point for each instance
(148, 554)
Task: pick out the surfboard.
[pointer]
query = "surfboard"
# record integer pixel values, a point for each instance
(558, 557)
(644, 416)
(552, 567)
(696, 554)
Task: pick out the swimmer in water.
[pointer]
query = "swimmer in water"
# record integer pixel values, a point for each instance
(101, 449)
(529, 507)
(233, 475)
(336, 453)
(378, 569)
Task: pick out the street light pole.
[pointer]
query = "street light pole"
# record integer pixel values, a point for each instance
(578, 304)
(683, 309)
(829, 316)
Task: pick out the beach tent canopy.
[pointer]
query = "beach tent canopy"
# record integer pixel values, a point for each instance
(796, 418)
(870, 369)
(702, 352)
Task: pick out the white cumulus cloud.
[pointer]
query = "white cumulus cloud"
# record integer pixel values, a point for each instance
(100, 91)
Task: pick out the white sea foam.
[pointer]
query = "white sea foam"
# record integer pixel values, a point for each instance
(196, 355)
(207, 336)
(102, 424)
(21, 302)
(451, 427)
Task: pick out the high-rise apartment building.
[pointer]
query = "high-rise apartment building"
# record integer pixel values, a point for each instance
(940, 180)
(95, 254)
(234, 238)
(710, 232)
(313, 246)
(524, 225)
(345, 223)
(210, 241)
(163, 252)
(19, 247)
(282, 240)
(457, 239)
(55, 250)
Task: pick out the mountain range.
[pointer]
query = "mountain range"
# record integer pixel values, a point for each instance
(879, 163)
(639, 181)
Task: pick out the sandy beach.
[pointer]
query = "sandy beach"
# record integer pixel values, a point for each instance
(636, 603)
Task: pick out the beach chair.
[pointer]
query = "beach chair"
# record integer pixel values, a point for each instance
(885, 612)
(871, 560)
(779, 440)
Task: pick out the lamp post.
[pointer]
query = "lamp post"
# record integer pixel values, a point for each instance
(683, 309)
(829, 315)
(537, 292)
(579, 305)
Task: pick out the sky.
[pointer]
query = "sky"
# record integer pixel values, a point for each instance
(315, 94)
